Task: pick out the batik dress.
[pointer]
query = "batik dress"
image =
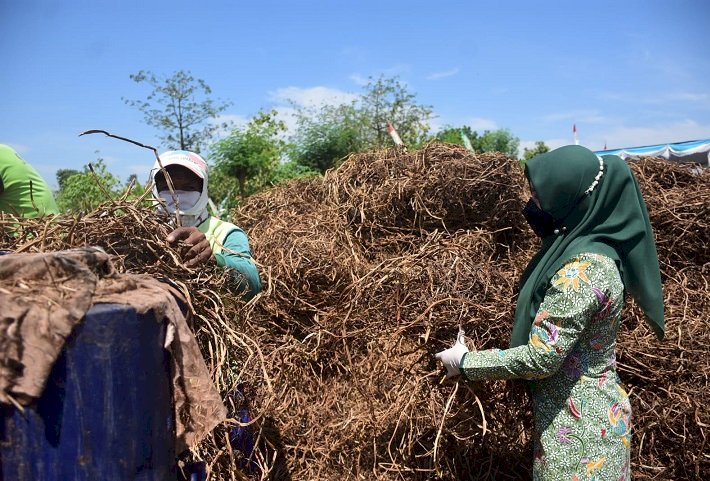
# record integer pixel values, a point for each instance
(582, 413)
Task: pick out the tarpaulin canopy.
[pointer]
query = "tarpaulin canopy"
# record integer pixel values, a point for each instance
(692, 151)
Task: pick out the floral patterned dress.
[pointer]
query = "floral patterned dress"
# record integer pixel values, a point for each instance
(582, 413)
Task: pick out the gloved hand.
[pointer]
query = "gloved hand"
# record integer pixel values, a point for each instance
(451, 357)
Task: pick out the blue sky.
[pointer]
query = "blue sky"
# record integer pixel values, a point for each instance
(627, 73)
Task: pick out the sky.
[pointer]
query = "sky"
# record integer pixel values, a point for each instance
(626, 73)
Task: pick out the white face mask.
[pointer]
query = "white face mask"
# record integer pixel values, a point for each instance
(186, 199)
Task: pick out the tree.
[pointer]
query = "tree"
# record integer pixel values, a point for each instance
(500, 140)
(63, 175)
(289, 170)
(455, 135)
(325, 136)
(248, 153)
(387, 100)
(540, 148)
(329, 133)
(81, 191)
(179, 106)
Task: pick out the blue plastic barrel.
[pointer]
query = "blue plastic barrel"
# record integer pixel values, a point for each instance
(106, 413)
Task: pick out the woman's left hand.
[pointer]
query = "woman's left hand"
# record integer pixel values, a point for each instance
(195, 249)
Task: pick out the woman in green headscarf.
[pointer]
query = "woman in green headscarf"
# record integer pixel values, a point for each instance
(597, 245)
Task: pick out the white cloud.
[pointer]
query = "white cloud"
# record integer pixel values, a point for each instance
(525, 144)
(659, 134)
(359, 79)
(435, 125)
(624, 136)
(295, 97)
(237, 120)
(233, 121)
(444, 74)
(287, 100)
(551, 143)
(288, 116)
(312, 96)
(480, 124)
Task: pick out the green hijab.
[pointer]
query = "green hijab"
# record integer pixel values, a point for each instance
(611, 220)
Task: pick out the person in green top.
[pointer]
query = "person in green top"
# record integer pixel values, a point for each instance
(202, 236)
(23, 192)
(597, 245)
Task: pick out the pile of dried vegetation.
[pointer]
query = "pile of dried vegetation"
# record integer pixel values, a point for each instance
(370, 270)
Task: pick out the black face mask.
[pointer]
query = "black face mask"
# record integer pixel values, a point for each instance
(540, 221)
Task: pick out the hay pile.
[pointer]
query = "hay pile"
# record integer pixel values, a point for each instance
(669, 379)
(376, 265)
(371, 275)
(368, 272)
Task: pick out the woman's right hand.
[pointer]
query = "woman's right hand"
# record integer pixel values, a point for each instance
(451, 357)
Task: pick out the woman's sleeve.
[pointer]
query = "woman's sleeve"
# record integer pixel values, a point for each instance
(568, 306)
(236, 255)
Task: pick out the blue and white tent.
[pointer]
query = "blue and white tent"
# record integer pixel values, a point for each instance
(692, 151)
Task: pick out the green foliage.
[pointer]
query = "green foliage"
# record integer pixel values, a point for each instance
(85, 190)
(223, 188)
(500, 140)
(540, 148)
(455, 135)
(63, 175)
(289, 170)
(248, 154)
(250, 160)
(179, 106)
(326, 135)
(387, 100)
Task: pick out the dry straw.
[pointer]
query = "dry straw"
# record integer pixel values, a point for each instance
(368, 272)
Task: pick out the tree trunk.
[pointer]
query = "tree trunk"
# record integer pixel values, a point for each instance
(241, 179)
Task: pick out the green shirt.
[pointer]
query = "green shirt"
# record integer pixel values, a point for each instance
(23, 193)
(230, 248)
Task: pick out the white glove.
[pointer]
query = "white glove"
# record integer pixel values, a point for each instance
(451, 357)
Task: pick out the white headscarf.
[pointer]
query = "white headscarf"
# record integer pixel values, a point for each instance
(193, 205)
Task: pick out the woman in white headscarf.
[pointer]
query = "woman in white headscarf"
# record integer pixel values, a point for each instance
(183, 193)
